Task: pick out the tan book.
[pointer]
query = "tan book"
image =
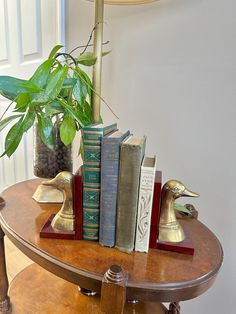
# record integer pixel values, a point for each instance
(131, 156)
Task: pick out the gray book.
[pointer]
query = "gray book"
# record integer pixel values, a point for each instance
(110, 157)
(131, 156)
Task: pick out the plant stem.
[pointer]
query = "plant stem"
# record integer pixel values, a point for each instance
(89, 40)
(88, 45)
(66, 55)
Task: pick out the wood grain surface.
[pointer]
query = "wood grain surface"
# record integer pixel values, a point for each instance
(37, 291)
(156, 276)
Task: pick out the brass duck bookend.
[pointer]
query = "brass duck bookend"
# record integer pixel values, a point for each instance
(64, 219)
(169, 228)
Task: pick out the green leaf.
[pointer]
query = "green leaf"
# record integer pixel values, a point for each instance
(87, 81)
(6, 121)
(76, 115)
(87, 59)
(53, 87)
(13, 138)
(81, 112)
(67, 129)
(69, 82)
(53, 108)
(80, 90)
(28, 120)
(65, 92)
(41, 75)
(105, 53)
(22, 102)
(15, 134)
(84, 78)
(55, 81)
(40, 98)
(181, 208)
(88, 110)
(54, 51)
(11, 87)
(45, 130)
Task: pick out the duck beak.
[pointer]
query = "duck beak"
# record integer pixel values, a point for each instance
(189, 193)
(49, 182)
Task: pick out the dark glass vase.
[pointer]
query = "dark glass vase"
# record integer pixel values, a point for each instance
(48, 163)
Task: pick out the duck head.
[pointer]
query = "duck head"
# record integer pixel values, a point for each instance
(169, 229)
(62, 181)
(175, 189)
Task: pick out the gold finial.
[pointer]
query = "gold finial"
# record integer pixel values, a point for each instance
(169, 229)
(64, 219)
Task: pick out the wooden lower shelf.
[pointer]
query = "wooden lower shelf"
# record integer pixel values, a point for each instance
(35, 290)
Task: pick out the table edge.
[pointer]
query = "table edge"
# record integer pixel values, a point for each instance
(93, 281)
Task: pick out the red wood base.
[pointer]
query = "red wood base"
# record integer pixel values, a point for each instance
(185, 247)
(48, 232)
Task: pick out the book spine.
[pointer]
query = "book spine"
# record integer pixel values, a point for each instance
(108, 129)
(91, 179)
(91, 182)
(78, 204)
(155, 217)
(109, 184)
(90, 213)
(130, 164)
(91, 176)
(144, 209)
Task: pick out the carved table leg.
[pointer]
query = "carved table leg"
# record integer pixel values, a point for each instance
(174, 308)
(113, 293)
(4, 299)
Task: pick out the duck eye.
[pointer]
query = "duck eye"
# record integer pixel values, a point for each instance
(176, 190)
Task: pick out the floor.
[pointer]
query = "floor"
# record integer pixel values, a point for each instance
(15, 260)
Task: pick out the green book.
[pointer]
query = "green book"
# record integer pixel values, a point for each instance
(92, 136)
(131, 156)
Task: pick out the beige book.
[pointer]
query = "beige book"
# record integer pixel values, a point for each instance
(146, 190)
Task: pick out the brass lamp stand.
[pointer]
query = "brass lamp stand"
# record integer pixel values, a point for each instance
(97, 68)
(98, 37)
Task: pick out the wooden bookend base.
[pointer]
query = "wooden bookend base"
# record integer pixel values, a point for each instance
(185, 247)
(47, 194)
(48, 232)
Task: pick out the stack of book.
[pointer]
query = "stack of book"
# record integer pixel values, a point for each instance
(121, 190)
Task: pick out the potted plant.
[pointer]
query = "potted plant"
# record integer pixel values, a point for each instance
(57, 98)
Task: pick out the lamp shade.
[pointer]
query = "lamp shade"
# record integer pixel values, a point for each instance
(126, 2)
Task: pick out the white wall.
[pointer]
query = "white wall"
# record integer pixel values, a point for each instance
(171, 75)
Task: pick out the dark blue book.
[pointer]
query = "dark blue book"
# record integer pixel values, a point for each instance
(110, 156)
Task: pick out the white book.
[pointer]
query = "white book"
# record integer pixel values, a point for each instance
(146, 190)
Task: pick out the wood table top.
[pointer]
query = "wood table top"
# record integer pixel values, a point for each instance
(155, 276)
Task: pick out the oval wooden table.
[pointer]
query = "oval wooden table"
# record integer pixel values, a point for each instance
(158, 276)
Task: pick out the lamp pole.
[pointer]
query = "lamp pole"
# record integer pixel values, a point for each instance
(97, 68)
